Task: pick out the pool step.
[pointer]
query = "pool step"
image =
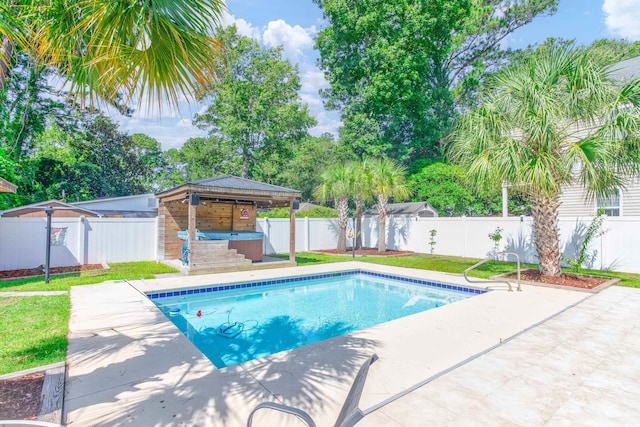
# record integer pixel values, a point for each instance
(215, 254)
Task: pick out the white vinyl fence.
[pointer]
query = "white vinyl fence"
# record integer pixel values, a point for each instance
(96, 240)
(76, 241)
(617, 249)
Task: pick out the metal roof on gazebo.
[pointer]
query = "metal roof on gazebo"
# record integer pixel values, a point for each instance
(229, 187)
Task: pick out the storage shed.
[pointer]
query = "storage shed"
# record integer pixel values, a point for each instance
(413, 209)
(211, 224)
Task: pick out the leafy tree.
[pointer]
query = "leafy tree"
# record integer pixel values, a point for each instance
(316, 212)
(397, 68)
(255, 111)
(116, 51)
(311, 155)
(447, 188)
(337, 185)
(387, 181)
(96, 160)
(201, 158)
(149, 152)
(540, 119)
(610, 51)
(25, 103)
(7, 171)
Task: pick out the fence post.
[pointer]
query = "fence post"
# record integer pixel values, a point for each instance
(306, 234)
(265, 230)
(81, 233)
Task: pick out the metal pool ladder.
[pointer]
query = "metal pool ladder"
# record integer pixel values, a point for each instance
(494, 281)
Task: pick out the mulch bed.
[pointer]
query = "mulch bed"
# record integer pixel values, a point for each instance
(39, 271)
(566, 279)
(20, 397)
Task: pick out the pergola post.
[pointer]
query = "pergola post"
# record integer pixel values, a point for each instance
(193, 203)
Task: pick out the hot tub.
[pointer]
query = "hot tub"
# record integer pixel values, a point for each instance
(247, 243)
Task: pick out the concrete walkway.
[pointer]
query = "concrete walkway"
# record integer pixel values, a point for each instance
(127, 364)
(579, 368)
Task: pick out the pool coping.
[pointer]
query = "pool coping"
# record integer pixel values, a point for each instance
(115, 328)
(230, 286)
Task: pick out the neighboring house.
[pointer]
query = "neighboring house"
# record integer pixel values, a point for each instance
(138, 206)
(411, 209)
(6, 186)
(620, 202)
(38, 210)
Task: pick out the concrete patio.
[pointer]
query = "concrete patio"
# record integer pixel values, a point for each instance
(557, 357)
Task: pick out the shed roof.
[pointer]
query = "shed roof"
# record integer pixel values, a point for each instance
(41, 206)
(6, 186)
(626, 70)
(409, 208)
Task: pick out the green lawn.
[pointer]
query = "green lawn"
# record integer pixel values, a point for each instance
(62, 282)
(451, 264)
(33, 330)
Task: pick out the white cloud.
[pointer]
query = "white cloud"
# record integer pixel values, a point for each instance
(312, 80)
(292, 39)
(622, 18)
(244, 27)
(328, 122)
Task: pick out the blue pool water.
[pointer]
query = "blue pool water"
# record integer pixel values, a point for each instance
(252, 320)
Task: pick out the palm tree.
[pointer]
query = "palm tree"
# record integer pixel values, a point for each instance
(387, 181)
(116, 51)
(337, 184)
(553, 118)
(362, 193)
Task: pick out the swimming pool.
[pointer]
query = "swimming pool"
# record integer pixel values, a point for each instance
(237, 322)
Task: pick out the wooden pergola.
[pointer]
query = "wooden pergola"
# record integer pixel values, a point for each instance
(225, 203)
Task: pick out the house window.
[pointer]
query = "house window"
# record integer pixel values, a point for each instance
(610, 203)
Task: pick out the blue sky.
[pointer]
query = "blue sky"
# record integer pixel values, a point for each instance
(294, 24)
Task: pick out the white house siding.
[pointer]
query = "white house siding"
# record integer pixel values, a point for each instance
(631, 199)
(574, 202)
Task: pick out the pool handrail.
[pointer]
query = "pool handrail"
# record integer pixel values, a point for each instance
(494, 280)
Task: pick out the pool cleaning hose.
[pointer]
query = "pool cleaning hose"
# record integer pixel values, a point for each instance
(231, 329)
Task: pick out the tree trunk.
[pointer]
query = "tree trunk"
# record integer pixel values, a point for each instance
(6, 50)
(358, 230)
(245, 166)
(546, 234)
(343, 216)
(382, 227)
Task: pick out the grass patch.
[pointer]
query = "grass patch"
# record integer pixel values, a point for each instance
(34, 331)
(452, 264)
(62, 282)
